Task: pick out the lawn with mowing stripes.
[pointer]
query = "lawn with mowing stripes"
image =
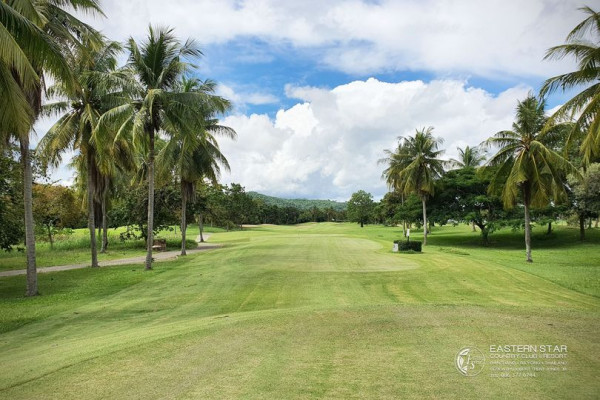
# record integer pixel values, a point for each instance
(312, 311)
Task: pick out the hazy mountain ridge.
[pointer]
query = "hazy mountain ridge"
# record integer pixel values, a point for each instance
(302, 204)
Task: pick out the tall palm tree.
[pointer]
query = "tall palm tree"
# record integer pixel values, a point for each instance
(35, 35)
(195, 155)
(528, 168)
(585, 104)
(469, 157)
(157, 107)
(396, 162)
(414, 167)
(99, 86)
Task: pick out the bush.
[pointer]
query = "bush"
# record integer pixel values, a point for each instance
(413, 245)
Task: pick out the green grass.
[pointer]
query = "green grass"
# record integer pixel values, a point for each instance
(314, 311)
(75, 248)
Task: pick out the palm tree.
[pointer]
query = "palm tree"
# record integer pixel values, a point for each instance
(414, 167)
(528, 168)
(35, 36)
(396, 162)
(470, 157)
(99, 86)
(157, 107)
(196, 154)
(586, 104)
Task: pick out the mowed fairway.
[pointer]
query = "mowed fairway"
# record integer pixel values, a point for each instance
(313, 311)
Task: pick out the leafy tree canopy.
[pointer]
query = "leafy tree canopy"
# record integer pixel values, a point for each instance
(360, 207)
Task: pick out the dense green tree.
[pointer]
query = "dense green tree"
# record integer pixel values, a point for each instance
(240, 207)
(582, 43)
(330, 214)
(528, 170)
(11, 200)
(586, 196)
(201, 205)
(410, 211)
(389, 207)
(414, 166)
(55, 207)
(131, 203)
(313, 214)
(263, 211)
(217, 206)
(360, 207)
(462, 195)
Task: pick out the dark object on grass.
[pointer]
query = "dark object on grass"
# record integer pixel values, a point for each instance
(413, 245)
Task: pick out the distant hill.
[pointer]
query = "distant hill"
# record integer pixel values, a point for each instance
(302, 204)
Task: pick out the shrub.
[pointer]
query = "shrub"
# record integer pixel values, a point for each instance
(413, 245)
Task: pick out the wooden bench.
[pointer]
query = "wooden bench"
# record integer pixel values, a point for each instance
(159, 244)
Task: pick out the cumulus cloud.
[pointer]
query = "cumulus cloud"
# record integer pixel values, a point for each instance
(483, 38)
(241, 98)
(328, 145)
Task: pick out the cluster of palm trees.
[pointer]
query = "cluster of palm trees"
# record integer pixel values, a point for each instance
(414, 166)
(531, 165)
(112, 117)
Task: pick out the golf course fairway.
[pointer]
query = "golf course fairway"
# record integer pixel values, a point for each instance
(313, 311)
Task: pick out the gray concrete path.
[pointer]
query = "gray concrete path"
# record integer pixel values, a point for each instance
(157, 256)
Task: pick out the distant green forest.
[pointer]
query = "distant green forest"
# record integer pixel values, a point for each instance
(301, 204)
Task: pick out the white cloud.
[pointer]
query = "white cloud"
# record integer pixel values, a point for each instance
(241, 98)
(328, 145)
(261, 98)
(484, 38)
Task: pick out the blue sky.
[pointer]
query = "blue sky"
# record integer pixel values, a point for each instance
(322, 88)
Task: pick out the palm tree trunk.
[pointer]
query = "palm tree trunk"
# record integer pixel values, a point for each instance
(104, 225)
(201, 226)
(581, 227)
(527, 224)
(32, 288)
(91, 216)
(150, 235)
(424, 222)
(183, 219)
(98, 219)
(403, 219)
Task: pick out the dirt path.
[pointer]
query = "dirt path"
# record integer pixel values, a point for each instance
(158, 256)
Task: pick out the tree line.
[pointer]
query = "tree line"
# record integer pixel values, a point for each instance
(58, 209)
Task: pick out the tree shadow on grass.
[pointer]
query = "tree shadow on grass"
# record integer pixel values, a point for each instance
(561, 237)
